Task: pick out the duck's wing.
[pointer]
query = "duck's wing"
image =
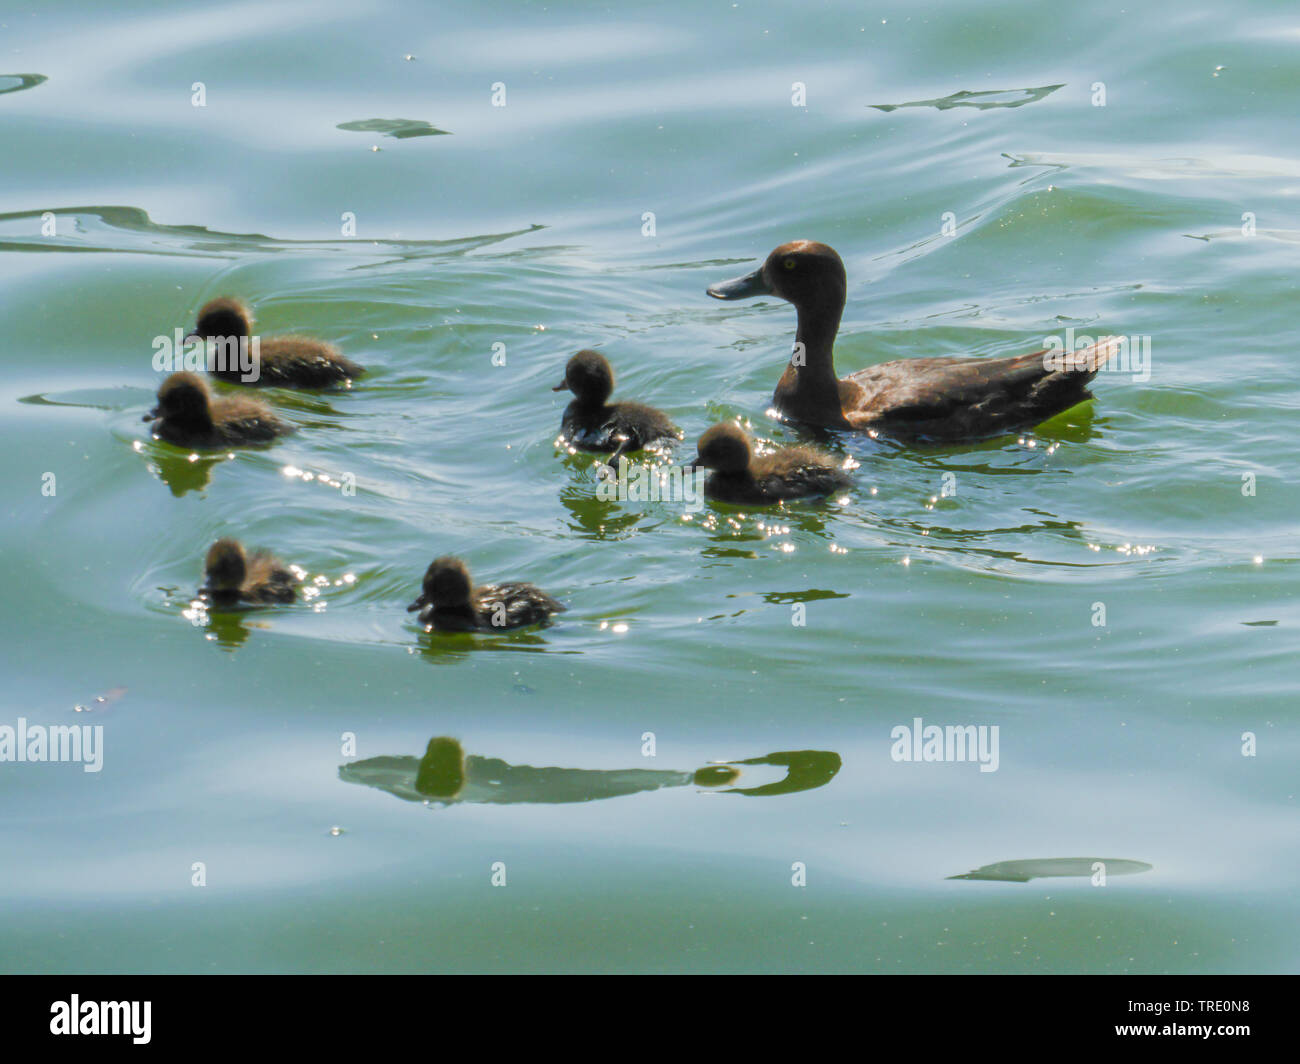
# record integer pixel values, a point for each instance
(955, 398)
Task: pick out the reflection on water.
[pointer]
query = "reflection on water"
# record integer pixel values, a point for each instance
(594, 518)
(1056, 868)
(183, 472)
(18, 82)
(446, 774)
(401, 128)
(806, 770)
(229, 631)
(121, 229)
(982, 101)
(447, 648)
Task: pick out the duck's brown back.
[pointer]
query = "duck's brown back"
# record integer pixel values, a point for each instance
(964, 398)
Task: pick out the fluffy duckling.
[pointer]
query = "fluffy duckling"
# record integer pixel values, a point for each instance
(911, 398)
(283, 361)
(235, 577)
(451, 603)
(188, 416)
(591, 423)
(739, 477)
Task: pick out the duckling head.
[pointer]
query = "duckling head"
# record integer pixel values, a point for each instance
(183, 398)
(725, 448)
(224, 316)
(446, 585)
(802, 272)
(589, 376)
(226, 566)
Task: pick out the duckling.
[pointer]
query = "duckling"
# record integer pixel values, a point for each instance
(451, 603)
(739, 477)
(235, 577)
(913, 398)
(283, 361)
(617, 428)
(188, 416)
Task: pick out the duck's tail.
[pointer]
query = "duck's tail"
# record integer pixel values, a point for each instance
(1085, 362)
(1059, 379)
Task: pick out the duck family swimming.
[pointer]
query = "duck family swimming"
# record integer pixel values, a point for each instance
(942, 399)
(283, 361)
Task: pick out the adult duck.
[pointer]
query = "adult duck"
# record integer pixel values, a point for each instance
(914, 398)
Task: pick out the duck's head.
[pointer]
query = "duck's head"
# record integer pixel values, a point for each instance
(802, 272)
(224, 316)
(589, 376)
(226, 566)
(725, 448)
(442, 768)
(446, 585)
(183, 398)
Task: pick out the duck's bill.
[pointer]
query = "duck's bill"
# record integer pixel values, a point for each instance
(561, 386)
(752, 284)
(418, 604)
(151, 416)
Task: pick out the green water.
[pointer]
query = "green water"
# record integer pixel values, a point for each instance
(523, 226)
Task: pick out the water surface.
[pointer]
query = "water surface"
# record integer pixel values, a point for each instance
(349, 174)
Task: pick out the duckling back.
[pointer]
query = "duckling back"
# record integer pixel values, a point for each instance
(296, 362)
(240, 420)
(619, 427)
(269, 580)
(790, 473)
(513, 605)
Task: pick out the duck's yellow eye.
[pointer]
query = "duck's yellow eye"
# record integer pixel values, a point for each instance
(789, 264)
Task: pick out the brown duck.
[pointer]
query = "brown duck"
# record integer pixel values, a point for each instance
(235, 578)
(739, 477)
(188, 416)
(449, 601)
(283, 361)
(918, 398)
